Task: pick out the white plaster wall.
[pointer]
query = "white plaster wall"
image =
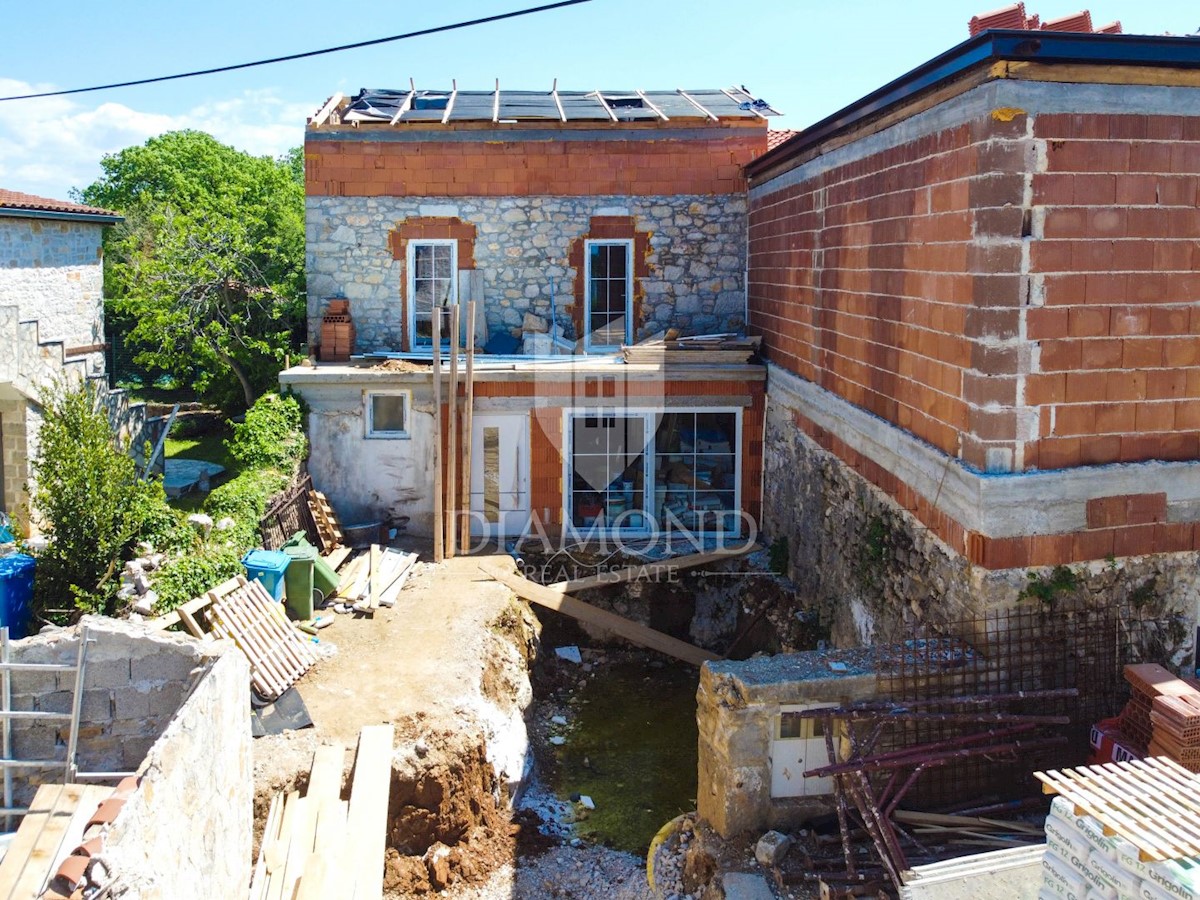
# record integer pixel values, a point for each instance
(369, 479)
(52, 271)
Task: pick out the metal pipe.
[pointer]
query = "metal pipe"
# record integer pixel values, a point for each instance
(77, 703)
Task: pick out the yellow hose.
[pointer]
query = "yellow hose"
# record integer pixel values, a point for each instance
(662, 835)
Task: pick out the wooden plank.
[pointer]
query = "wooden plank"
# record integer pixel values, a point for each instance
(258, 880)
(325, 777)
(191, 607)
(277, 852)
(336, 557)
(585, 612)
(57, 814)
(367, 816)
(649, 571)
(468, 430)
(300, 847)
(327, 878)
(452, 448)
(374, 577)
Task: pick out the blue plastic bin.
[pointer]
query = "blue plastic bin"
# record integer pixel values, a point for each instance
(268, 567)
(16, 593)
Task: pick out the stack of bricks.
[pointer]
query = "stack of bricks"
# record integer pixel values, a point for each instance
(1162, 717)
(337, 332)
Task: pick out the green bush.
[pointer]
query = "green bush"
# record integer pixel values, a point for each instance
(87, 498)
(244, 499)
(183, 577)
(165, 528)
(271, 435)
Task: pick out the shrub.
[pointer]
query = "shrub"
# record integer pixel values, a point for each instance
(271, 435)
(162, 526)
(190, 575)
(88, 499)
(244, 499)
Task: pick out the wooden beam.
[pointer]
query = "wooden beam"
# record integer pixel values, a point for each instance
(648, 571)
(374, 578)
(592, 615)
(468, 429)
(436, 322)
(330, 105)
(452, 448)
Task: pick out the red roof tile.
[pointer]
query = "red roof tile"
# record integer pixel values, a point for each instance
(1080, 22)
(1008, 17)
(1014, 17)
(779, 136)
(18, 200)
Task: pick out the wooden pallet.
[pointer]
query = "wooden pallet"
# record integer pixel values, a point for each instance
(242, 611)
(329, 529)
(321, 846)
(1152, 803)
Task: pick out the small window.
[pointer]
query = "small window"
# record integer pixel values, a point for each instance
(795, 726)
(387, 415)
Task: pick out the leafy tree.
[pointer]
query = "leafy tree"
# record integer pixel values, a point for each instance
(207, 270)
(88, 500)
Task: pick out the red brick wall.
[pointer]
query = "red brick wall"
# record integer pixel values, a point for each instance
(1119, 265)
(507, 165)
(860, 280)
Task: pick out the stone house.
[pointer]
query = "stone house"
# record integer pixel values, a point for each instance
(51, 319)
(978, 292)
(578, 222)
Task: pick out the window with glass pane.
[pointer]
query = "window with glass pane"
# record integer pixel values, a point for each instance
(696, 472)
(608, 471)
(431, 282)
(609, 292)
(388, 415)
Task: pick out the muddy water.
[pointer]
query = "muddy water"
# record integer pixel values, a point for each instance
(631, 747)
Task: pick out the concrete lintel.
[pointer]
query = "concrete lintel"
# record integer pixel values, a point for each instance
(1009, 505)
(1034, 97)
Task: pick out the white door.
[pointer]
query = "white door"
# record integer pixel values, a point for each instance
(500, 475)
(797, 745)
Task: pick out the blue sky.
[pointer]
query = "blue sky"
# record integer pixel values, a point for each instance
(807, 58)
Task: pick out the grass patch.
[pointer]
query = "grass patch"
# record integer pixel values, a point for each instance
(209, 447)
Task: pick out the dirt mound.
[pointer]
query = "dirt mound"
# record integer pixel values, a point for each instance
(449, 824)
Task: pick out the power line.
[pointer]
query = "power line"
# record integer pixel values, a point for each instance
(278, 59)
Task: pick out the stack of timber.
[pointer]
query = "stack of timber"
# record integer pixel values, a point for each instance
(1123, 830)
(701, 350)
(243, 612)
(372, 579)
(321, 846)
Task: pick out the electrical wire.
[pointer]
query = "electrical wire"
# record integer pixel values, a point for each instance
(278, 59)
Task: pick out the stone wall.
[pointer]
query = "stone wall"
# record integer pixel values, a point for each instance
(14, 451)
(696, 258)
(52, 271)
(187, 831)
(873, 570)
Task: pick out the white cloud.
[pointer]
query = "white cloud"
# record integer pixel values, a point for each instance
(51, 145)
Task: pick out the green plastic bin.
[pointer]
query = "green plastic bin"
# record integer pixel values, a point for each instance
(298, 580)
(325, 579)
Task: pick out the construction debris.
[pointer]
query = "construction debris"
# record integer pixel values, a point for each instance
(706, 349)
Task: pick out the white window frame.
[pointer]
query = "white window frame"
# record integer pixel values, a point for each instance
(369, 415)
(651, 418)
(411, 282)
(627, 243)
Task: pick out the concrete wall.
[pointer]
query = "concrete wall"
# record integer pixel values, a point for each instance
(173, 709)
(737, 705)
(52, 271)
(187, 832)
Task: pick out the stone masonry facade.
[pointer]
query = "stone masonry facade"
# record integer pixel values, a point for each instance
(695, 261)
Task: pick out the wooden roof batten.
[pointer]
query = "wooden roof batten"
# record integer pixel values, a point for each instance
(327, 110)
(408, 102)
(496, 104)
(608, 109)
(562, 114)
(450, 101)
(728, 93)
(696, 103)
(650, 103)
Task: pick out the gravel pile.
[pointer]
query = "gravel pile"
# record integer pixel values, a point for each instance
(579, 873)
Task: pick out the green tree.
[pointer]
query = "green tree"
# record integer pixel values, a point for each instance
(89, 502)
(207, 271)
